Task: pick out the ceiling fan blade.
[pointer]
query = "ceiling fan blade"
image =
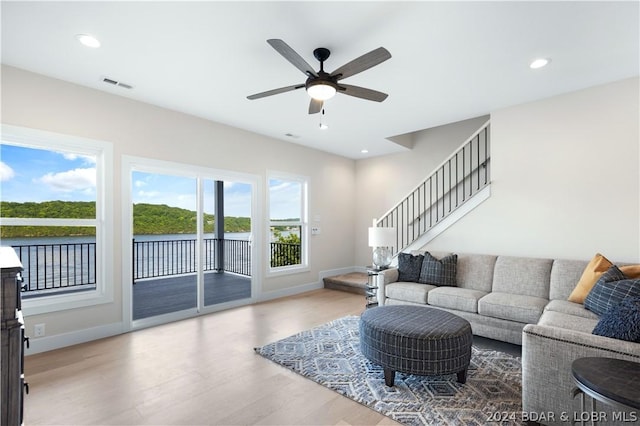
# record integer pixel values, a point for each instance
(315, 106)
(362, 63)
(292, 56)
(361, 92)
(275, 91)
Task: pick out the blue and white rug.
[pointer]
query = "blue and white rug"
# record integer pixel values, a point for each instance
(330, 355)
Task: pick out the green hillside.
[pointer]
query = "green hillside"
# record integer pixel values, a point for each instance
(147, 219)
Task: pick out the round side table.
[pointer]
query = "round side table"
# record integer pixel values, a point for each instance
(615, 382)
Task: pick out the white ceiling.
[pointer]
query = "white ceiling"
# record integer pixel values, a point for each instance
(450, 60)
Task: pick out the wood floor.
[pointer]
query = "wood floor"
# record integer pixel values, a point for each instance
(200, 371)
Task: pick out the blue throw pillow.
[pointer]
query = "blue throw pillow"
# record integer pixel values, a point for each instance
(409, 267)
(439, 272)
(611, 289)
(622, 321)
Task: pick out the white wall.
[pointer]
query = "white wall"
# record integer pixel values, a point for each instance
(138, 129)
(565, 180)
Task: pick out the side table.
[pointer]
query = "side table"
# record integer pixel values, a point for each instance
(615, 382)
(371, 288)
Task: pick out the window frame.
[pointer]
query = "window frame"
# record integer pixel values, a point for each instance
(103, 222)
(303, 266)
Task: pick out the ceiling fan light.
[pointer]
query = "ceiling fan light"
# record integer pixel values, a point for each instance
(539, 63)
(321, 91)
(88, 40)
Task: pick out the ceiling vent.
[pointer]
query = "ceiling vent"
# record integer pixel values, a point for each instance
(117, 83)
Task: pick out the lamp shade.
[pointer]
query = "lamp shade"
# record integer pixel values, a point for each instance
(381, 237)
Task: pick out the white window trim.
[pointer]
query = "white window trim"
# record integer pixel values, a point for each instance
(103, 151)
(304, 232)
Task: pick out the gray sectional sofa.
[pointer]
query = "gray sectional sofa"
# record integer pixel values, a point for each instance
(522, 301)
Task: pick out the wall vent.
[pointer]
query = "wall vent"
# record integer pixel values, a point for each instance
(116, 83)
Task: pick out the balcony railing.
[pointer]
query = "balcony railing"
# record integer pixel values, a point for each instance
(285, 254)
(152, 259)
(72, 266)
(57, 266)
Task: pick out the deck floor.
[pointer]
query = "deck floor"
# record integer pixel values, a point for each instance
(159, 296)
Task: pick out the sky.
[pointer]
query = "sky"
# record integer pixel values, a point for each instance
(37, 175)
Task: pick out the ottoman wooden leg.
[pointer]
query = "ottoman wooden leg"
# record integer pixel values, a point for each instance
(389, 377)
(462, 376)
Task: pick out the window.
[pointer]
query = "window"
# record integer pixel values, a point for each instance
(54, 213)
(288, 230)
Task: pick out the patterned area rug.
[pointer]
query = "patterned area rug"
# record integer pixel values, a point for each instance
(330, 355)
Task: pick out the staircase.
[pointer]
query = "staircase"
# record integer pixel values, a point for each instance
(454, 188)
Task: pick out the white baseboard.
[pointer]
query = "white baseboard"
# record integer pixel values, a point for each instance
(339, 271)
(291, 291)
(44, 344)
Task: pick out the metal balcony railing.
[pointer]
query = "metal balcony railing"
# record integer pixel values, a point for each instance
(57, 266)
(152, 259)
(72, 266)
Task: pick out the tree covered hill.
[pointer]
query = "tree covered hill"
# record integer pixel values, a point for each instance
(148, 219)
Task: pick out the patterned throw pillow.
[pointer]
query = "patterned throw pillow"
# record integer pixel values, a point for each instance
(439, 272)
(611, 289)
(409, 267)
(622, 321)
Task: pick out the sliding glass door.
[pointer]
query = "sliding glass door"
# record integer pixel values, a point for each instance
(227, 241)
(191, 242)
(165, 259)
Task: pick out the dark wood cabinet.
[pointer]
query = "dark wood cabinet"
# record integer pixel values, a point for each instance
(12, 384)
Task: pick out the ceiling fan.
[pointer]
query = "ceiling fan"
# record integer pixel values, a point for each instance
(321, 85)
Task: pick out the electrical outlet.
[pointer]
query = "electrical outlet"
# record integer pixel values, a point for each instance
(38, 330)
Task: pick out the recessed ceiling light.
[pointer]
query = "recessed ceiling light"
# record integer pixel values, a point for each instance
(365, 151)
(539, 63)
(88, 40)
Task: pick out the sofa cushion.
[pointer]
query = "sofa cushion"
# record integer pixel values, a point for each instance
(461, 299)
(438, 271)
(409, 292)
(612, 288)
(597, 266)
(564, 276)
(522, 275)
(568, 322)
(409, 267)
(475, 271)
(570, 308)
(622, 321)
(513, 307)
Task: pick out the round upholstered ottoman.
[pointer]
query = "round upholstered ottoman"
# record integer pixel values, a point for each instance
(416, 340)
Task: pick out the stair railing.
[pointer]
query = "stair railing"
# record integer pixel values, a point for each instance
(451, 184)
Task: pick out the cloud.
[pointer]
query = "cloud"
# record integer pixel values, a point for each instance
(149, 194)
(140, 183)
(70, 181)
(6, 172)
(87, 159)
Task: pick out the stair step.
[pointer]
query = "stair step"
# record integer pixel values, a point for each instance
(353, 282)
